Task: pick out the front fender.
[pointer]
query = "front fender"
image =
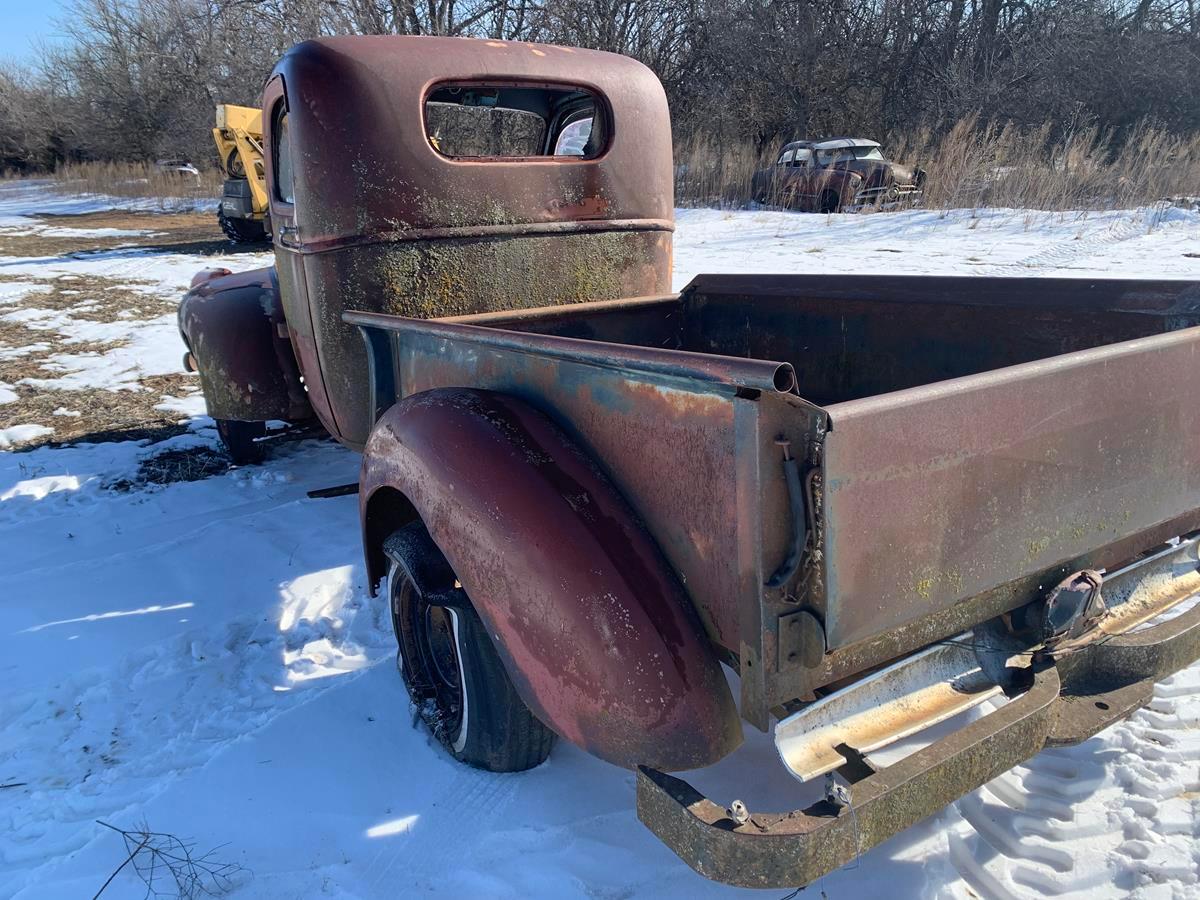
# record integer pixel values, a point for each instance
(844, 181)
(235, 331)
(594, 628)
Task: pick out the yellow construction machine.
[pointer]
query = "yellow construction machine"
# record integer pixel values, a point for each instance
(243, 211)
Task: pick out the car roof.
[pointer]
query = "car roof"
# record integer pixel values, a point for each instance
(842, 142)
(832, 143)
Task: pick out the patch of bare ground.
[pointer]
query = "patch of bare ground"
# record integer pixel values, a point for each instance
(98, 416)
(171, 466)
(93, 298)
(30, 342)
(195, 233)
(33, 334)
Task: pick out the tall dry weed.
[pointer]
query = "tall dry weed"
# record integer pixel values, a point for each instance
(139, 180)
(982, 165)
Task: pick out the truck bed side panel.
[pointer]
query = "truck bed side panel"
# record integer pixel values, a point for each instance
(938, 493)
(671, 451)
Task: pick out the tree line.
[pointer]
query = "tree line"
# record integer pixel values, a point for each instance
(137, 80)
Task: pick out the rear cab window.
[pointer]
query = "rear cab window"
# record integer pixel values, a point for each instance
(496, 121)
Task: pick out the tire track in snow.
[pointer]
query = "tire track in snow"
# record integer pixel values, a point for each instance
(1118, 811)
(472, 801)
(1085, 243)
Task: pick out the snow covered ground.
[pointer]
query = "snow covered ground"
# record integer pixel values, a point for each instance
(202, 656)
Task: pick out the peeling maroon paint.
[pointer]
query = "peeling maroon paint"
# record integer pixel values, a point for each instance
(234, 327)
(594, 628)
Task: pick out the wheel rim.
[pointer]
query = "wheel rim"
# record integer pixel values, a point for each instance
(233, 165)
(427, 645)
(438, 648)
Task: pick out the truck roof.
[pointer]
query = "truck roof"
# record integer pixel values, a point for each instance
(359, 107)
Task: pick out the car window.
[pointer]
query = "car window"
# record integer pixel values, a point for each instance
(787, 157)
(803, 157)
(285, 188)
(829, 157)
(867, 153)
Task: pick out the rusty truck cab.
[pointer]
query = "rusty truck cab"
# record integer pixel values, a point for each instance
(429, 177)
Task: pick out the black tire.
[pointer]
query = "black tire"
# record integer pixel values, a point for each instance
(239, 439)
(831, 202)
(242, 231)
(458, 684)
(233, 164)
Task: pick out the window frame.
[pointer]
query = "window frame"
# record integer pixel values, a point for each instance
(563, 120)
(553, 125)
(278, 114)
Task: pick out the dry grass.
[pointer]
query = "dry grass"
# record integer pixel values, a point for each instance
(83, 415)
(92, 298)
(141, 180)
(975, 166)
(178, 232)
(711, 173)
(27, 347)
(990, 166)
(102, 415)
(172, 466)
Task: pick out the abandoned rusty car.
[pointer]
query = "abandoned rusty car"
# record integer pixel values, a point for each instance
(881, 502)
(836, 174)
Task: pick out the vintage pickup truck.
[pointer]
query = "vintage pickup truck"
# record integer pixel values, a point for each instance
(872, 504)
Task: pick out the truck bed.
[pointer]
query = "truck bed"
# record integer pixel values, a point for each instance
(964, 443)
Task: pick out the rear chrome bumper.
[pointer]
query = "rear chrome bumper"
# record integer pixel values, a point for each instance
(1069, 700)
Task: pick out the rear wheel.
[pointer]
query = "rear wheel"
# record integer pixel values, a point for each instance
(240, 440)
(456, 680)
(242, 231)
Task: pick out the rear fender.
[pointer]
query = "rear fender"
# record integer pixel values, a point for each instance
(238, 340)
(593, 627)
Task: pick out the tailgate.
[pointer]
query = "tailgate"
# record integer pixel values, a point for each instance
(940, 493)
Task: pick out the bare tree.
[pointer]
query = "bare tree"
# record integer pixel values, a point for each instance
(138, 79)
